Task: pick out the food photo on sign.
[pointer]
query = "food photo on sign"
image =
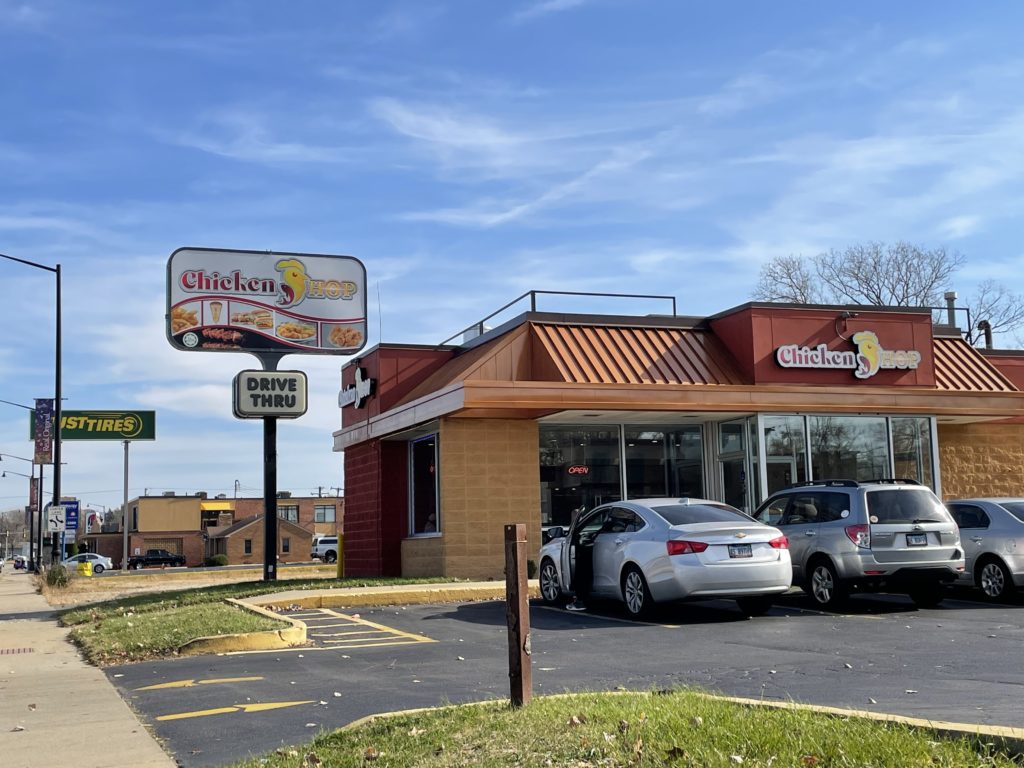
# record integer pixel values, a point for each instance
(251, 301)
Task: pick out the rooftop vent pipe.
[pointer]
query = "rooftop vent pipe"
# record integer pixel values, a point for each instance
(950, 297)
(986, 327)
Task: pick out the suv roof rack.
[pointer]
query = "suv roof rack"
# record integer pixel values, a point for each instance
(826, 483)
(893, 481)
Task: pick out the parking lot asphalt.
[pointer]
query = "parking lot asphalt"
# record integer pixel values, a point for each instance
(958, 662)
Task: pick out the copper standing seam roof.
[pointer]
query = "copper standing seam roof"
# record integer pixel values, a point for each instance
(959, 367)
(615, 355)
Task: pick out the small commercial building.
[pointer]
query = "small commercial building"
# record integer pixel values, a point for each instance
(198, 527)
(549, 414)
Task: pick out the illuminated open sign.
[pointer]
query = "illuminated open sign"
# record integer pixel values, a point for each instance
(579, 469)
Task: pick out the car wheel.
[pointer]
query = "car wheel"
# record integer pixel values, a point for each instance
(635, 593)
(994, 580)
(927, 597)
(550, 590)
(330, 557)
(97, 568)
(824, 585)
(755, 606)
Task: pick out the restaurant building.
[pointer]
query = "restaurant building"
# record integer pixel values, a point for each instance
(549, 414)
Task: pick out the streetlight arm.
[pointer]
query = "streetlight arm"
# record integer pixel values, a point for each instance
(29, 263)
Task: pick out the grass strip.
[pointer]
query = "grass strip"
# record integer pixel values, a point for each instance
(135, 637)
(679, 728)
(156, 624)
(162, 601)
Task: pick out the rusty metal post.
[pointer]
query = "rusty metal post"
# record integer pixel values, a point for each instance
(517, 615)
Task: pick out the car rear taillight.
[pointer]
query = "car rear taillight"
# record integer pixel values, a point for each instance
(680, 547)
(780, 543)
(859, 535)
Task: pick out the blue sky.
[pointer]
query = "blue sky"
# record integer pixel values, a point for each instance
(466, 152)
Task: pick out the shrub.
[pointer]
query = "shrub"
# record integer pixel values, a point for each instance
(216, 560)
(531, 569)
(72, 549)
(57, 577)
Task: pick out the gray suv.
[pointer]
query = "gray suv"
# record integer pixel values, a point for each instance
(871, 536)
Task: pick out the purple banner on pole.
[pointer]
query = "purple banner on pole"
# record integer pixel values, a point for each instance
(44, 431)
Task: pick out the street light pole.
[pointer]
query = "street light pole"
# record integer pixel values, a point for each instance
(57, 391)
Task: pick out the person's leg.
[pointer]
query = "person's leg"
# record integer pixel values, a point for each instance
(583, 577)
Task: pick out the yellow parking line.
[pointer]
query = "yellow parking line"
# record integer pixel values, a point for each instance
(391, 630)
(193, 683)
(342, 634)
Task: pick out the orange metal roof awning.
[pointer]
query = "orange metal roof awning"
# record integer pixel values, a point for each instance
(959, 367)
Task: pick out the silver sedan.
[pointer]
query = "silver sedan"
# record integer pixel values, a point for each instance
(647, 551)
(992, 535)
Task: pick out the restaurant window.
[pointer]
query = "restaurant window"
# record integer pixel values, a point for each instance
(785, 448)
(579, 470)
(423, 506)
(849, 447)
(323, 513)
(286, 545)
(912, 449)
(663, 463)
(247, 547)
(289, 512)
(733, 463)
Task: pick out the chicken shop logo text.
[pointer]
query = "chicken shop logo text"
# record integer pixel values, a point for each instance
(868, 359)
(292, 287)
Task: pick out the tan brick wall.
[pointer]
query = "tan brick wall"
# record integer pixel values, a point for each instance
(490, 477)
(299, 544)
(981, 460)
(423, 556)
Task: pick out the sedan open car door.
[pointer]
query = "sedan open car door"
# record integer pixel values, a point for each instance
(610, 547)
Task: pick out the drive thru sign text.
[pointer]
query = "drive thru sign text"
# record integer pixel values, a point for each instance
(270, 393)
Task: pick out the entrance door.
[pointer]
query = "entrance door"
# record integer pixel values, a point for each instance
(781, 473)
(734, 482)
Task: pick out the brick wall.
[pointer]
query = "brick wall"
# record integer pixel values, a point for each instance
(423, 556)
(362, 510)
(981, 460)
(299, 544)
(490, 477)
(307, 513)
(188, 543)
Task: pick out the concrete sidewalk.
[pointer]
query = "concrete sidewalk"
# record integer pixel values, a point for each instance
(56, 710)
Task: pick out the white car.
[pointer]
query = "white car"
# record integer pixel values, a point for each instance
(325, 548)
(647, 551)
(99, 562)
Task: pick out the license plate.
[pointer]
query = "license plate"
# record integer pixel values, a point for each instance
(740, 550)
(917, 539)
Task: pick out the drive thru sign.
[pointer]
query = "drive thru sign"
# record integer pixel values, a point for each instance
(270, 393)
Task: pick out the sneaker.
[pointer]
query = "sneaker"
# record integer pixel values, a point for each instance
(576, 605)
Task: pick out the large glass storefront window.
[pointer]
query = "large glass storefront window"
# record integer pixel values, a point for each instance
(663, 462)
(912, 449)
(733, 463)
(579, 469)
(423, 507)
(849, 447)
(785, 447)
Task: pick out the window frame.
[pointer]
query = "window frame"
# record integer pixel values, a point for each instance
(246, 546)
(411, 475)
(320, 509)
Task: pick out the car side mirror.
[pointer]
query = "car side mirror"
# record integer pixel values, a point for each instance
(555, 532)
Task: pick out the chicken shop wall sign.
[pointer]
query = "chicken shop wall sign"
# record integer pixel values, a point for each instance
(260, 301)
(868, 359)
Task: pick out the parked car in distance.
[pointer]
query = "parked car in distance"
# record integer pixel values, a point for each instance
(20, 562)
(648, 551)
(874, 536)
(992, 532)
(99, 562)
(325, 548)
(156, 557)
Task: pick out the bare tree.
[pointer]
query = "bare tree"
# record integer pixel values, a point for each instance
(877, 274)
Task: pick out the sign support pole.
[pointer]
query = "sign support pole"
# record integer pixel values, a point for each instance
(124, 513)
(40, 514)
(270, 361)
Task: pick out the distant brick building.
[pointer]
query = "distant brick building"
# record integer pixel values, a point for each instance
(186, 524)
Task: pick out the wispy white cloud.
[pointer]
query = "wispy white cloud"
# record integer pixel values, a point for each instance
(536, 10)
(960, 226)
(404, 21)
(15, 13)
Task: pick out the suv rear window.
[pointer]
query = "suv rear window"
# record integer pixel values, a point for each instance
(685, 514)
(905, 506)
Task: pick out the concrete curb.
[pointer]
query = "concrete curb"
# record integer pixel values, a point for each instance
(373, 596)
(1011, 740)
(268, 640)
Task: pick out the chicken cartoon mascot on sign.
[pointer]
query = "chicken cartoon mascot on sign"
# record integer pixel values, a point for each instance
(869, 353)
(293, 281)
